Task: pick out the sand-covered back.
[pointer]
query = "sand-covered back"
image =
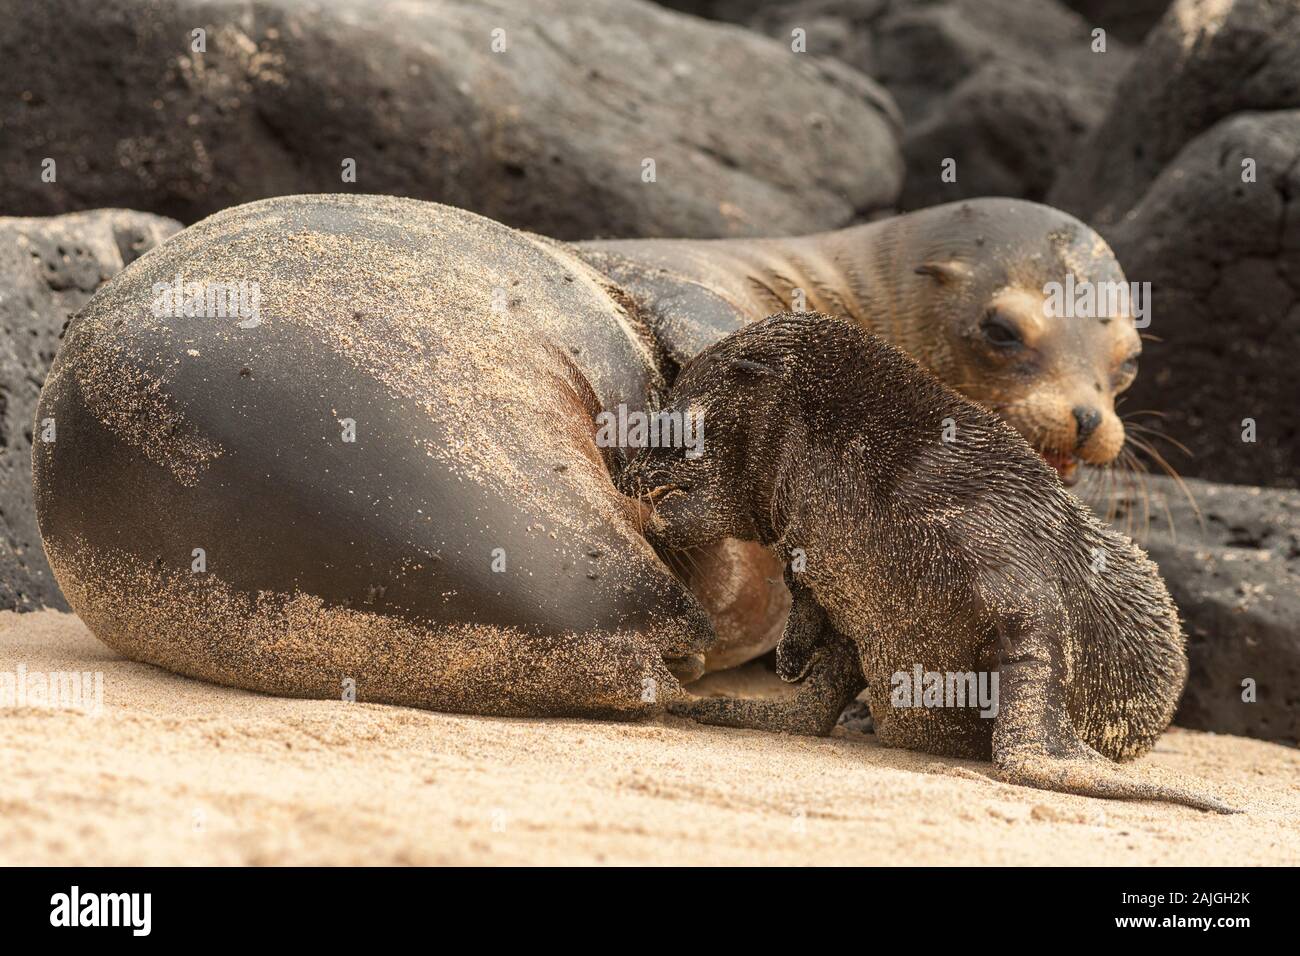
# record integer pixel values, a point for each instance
(175, 771)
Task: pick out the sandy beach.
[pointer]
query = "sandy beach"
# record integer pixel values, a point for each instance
(173, 771)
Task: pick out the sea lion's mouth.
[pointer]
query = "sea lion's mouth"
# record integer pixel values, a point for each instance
(1066, 465)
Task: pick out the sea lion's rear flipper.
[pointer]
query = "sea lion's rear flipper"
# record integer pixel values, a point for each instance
(1092, 775)
(834, 679)
(1035, 743)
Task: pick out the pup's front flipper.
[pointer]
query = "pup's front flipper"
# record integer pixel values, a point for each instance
(1035, 744)
(828, 664)
(806, 629)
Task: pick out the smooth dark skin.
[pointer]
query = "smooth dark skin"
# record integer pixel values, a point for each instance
(961, 556)
(390, 525)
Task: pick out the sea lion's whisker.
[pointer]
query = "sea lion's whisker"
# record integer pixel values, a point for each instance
(1100, 498)
(1140, 441)
(1168, 469)
(1157, 433)
(695, 569)
(1094, 488)
(1123, 485)
(1115, 473)
(1139, 472)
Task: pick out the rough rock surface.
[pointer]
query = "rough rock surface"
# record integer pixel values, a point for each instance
(550, 134)
(1009, 128)
(1236, 580)
(1127, 19)
(1204, 61)
(1007, 88)
(1223, 258)
(49, 268)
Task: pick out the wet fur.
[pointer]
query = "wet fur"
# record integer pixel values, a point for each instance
(958, 556)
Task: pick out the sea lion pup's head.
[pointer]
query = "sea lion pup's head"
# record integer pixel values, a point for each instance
(1024, 309)
(709, 489)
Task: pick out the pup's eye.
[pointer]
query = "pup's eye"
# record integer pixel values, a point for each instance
(1000, 331)
(1127, 371)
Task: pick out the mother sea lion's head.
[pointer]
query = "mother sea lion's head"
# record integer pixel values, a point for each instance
(1028, 313)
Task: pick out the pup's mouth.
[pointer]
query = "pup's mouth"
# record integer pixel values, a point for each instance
(1066, 465)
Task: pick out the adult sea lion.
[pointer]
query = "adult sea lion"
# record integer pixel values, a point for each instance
(959, 287)
(918, 553)
(381, 480)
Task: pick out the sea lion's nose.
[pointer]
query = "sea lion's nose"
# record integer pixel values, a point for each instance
(1087, 419)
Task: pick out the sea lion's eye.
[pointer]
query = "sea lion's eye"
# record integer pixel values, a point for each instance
(1001, 332)
(1127, 371)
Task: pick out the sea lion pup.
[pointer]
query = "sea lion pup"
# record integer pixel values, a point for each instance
(930, 536)
(324, 446)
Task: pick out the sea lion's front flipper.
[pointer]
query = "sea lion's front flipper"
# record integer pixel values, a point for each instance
(1034, 742)
(834, 679)
(802, 637)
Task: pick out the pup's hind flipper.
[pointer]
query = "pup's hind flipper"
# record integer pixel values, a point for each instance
(1095, 776)
(1035, 743)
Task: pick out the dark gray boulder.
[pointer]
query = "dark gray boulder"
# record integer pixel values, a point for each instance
(1204, 61)
(1223, 258)
(1235, 575)
(1130, 20)
(49, 268)
(1007, 88)
(1009, 128)
(550, 134)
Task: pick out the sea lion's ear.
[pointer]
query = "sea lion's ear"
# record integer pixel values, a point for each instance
(946, 271)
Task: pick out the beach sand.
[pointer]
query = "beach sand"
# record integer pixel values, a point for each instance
(174, 771)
